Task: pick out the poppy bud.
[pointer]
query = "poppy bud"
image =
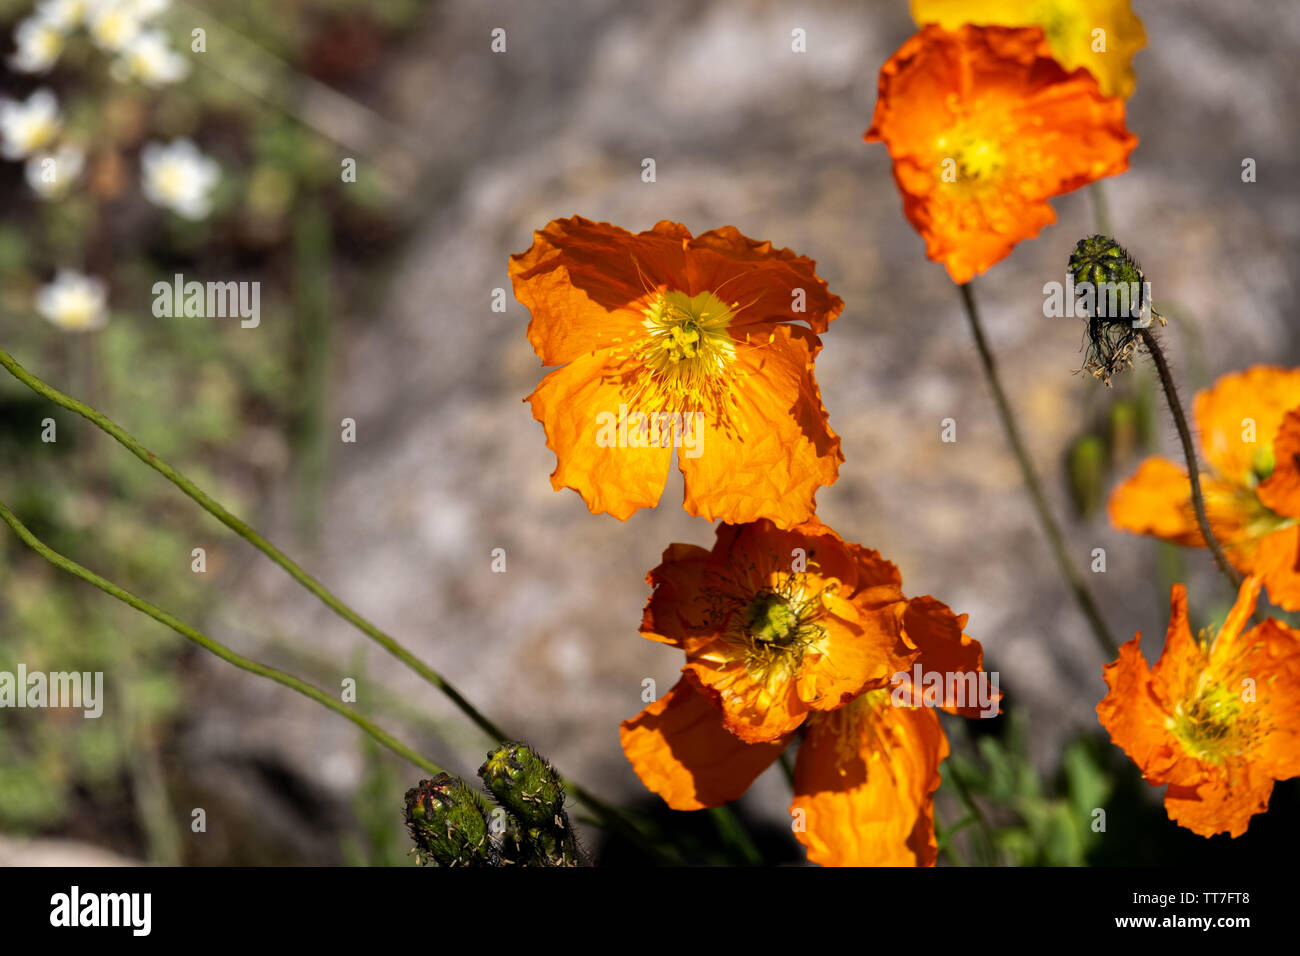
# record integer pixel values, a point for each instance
(533, 794)
(525, 784)
(448, 823)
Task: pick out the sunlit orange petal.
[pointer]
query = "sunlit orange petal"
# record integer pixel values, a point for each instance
(1238, 418)
(864, 783)
(680, 750)
(782, 448)
(1281, 490)
(570, 402)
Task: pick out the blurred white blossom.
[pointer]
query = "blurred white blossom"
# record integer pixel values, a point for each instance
(26, 127)
(151, 60)
(179, 177)
(51, 174)
(63, 15)
(113, 24)
(74, 302)
(40, 44)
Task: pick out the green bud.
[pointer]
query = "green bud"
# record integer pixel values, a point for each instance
(532, 792)
(525, 784)
(448, 824)
(1087, 474)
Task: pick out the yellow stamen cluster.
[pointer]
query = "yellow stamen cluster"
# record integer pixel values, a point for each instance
(776, 627)
(686, 352)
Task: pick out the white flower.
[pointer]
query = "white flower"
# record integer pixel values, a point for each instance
(147, 9)
(179, 177)
(63, 15)
(51, 175)
(30, 126)
(149, 59)
(113, 24)
(74, 302)
(39, 42)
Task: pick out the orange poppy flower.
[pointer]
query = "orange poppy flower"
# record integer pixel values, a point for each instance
(798, 630)
(1218, 720)
(1249, 426)
(984, 127)
(671, 340)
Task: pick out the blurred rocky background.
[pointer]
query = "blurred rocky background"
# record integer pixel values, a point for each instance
(377, 307)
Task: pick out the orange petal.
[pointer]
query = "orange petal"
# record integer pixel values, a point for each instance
(1241, 415)
(1157, 500)
(680, 750)
(1281, 490)
(674, 611)
(932, 627)
(767, 283)
(1277, 561)
(779, 448)
(1133, 714)
(579, 406)
(583, 283)
(864, 785)
(1223, 803)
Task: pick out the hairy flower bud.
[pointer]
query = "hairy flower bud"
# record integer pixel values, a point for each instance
(532, 792)
(448, 824)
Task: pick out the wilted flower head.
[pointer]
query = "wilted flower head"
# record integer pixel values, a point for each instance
(51, 174)
(1105, 276)
(30, 125)
(179, 177)
(74, 302)
(40, 44)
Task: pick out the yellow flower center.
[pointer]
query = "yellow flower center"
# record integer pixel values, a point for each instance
(686, 351)
(978, 156)
(1211, 725)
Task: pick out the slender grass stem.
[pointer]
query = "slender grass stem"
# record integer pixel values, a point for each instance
(1189, 452)
(610, 816)
(256, 540)
(1050, 528)
(208, 644)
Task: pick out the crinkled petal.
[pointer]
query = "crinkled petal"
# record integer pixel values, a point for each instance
(680, 750)
(864, 786)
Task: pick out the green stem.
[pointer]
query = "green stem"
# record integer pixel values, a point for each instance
(1045, 519)
(1189, 452)
(609, 815)
(1100, 208)
(255, 539)
(207, 643)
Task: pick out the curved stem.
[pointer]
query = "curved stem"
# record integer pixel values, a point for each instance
(207, 643)
(1045, 519)
(608, 815)
(1189, 452)
(256, 540)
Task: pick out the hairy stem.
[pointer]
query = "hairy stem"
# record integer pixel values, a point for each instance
(1189, 452)
(1050, 528)
(207, 643)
